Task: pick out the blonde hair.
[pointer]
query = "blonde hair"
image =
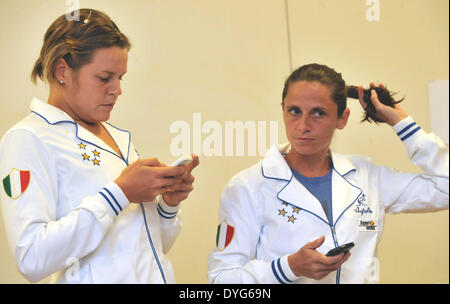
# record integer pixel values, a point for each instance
(76, 41)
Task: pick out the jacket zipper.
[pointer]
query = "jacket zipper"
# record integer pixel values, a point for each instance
(336, 244)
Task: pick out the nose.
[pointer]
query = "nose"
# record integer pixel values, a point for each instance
(116, 88)
(304, 124)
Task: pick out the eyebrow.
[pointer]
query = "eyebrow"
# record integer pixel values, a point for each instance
(319, 109)
(112, 73)
(313, 109)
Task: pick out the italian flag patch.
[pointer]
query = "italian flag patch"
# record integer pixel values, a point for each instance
(224, 236)
(16, 183)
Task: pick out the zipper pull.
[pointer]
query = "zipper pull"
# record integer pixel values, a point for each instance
(333, 229)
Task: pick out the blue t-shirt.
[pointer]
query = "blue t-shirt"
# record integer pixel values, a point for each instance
(320, 187)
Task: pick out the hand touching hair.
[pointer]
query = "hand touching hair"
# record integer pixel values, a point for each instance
(384, 96)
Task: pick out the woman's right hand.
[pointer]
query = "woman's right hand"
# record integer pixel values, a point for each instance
(310, 263)
(144, 179)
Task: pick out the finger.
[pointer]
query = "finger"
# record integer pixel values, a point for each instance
(374, 98)
(151, 162)
(316, 243)
(165, 183)
(332, 260)
(193, 164)
(361, 97)
(337, 261)
(174, 172)
(179, 189)
(189, 180)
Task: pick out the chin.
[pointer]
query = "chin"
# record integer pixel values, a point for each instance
(306, 150)
(104, 116)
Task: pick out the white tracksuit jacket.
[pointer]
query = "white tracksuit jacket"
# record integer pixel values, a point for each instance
(273, 215)
(69, 219)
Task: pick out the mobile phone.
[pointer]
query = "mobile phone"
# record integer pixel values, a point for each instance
(343, 248)
(182, 161)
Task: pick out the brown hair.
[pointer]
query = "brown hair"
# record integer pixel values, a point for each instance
(326, 76)
(339, 91)
(384, 96)
(75, 41)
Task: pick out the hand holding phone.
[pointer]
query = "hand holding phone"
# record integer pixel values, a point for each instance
(182, 161)
(341, 249)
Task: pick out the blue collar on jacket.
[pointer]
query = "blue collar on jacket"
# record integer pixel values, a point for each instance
(53, 116)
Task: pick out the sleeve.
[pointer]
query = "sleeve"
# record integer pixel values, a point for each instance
(428, 191)
(234, 261)
(42, 243)
(170, 219)
(171, 222)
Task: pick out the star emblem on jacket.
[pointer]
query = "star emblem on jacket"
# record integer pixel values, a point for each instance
(85, 156)
(94, 157)
(288, 212)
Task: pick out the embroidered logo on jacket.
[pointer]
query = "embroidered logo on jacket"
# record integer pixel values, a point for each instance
(367, 225)
(362, 208)
(289, 212)
(224, 236)
(93, 156)
(16, 183)
(367, 219)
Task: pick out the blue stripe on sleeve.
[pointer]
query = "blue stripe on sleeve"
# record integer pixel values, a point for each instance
(275, 273)
(281, 271)
(165, 214)
(406, 128)
(112, 196)
(410, 133)
(109, 202)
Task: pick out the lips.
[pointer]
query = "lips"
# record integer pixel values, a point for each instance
(304, 139)
(109, 105)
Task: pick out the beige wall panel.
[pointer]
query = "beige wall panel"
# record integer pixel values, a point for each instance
(223, 59)
(405, 49)
(227, 60)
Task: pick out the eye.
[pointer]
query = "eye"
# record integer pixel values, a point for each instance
(319, 113)
(103, 79)
(294, 110)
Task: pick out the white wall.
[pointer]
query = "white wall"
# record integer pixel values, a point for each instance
(228, 60)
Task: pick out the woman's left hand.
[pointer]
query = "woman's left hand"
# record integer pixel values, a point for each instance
(385, 113)
(180, 191)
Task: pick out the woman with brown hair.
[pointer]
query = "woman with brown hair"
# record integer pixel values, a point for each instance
(78, 203)
(283, 219)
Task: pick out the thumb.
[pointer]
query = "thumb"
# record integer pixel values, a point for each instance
(151, 162)
(316, 243)
(361, 97)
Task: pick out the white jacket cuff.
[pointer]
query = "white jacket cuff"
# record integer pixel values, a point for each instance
(406, 128)
(114, 197)
(282, 271)
(166, 211)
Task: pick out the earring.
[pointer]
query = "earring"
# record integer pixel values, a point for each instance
(60, 81)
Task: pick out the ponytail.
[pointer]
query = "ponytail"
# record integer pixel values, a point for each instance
(38, 71)
(384, 96)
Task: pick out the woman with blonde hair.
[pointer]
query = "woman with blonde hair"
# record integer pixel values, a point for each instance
(78, 203)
